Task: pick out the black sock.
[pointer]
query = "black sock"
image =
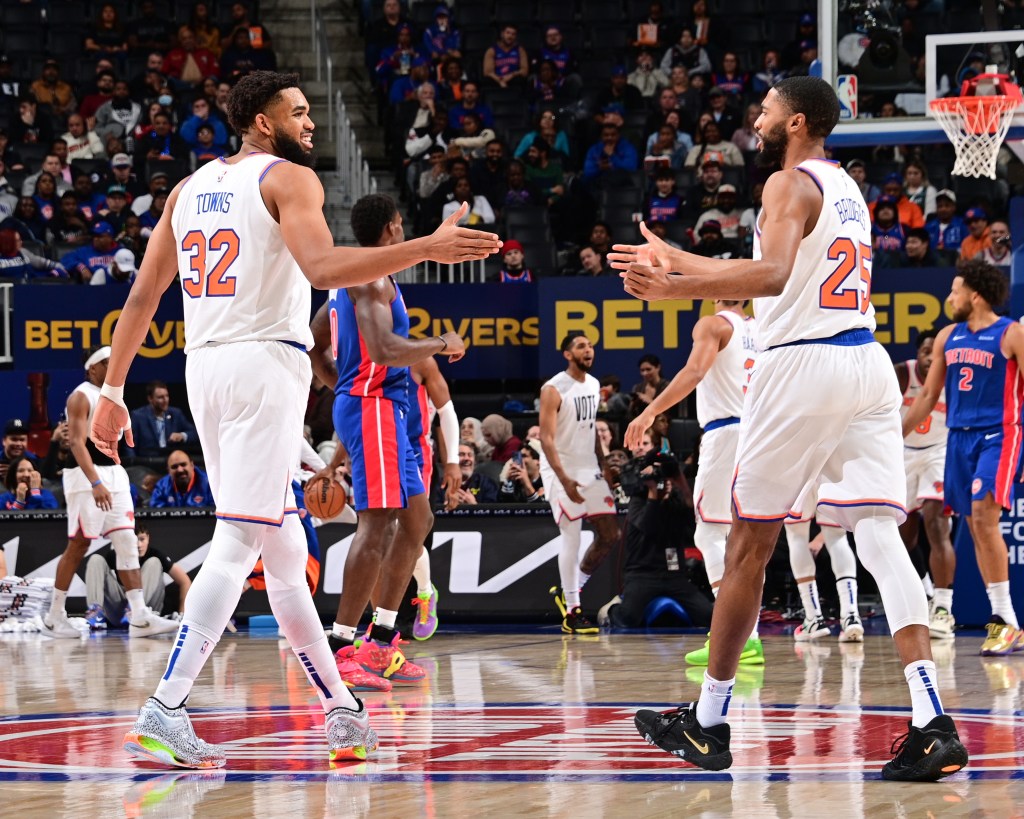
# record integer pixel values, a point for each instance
(337, 643)
(382, 635)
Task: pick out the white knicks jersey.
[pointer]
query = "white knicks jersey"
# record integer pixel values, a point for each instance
(720, 392)
(238, 280)
(932, 430)
(829, 288)
(574, 428)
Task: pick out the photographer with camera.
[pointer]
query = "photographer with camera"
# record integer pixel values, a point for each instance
(659, 528)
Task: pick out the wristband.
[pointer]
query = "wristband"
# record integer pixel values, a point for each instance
(115, 394)
(35, 492)
(97, 482)
(445, 343)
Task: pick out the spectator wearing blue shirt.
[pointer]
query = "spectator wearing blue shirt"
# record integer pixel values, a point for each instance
(442, 39)
(183, 485)
(405, 88)
(82, 262)
(21, 265)
(122, 270)
(664, 204)
(470, 103)
(612, 152)
(946, 229)
(90, 203)
(396, 61)
(24, 487)
(201, 115)
(152, 215)
(158, 425)
(858, 172)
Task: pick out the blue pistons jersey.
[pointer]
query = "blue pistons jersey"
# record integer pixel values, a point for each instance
(984, 389)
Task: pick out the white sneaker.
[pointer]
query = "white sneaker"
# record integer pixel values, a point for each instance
(852, 630)
(349, 735)
(941, 625)
(59, 626)
(811, 629)
(603, 618)
(150, 625)
(165, 736)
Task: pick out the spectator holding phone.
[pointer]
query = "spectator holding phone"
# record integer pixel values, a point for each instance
(520, 478)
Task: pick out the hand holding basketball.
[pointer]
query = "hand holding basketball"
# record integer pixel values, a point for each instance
(325, 497)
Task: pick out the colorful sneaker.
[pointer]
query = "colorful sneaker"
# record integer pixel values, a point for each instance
(678, 732)
(425, 624)
(753, 653)
(59, 627)
(353, 675)
(559, 600)
(813, 628)
(1001, 639)
(575, 622)
(926, 754)
(388, 661)
(349, 735)
(165, 735)
(852, 630)
(95, 617)
(941, 625)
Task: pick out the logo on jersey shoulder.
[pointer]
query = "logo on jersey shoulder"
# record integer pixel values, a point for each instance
(976, 486)
(938, 487)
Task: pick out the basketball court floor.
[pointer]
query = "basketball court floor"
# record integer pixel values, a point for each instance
(526, 723)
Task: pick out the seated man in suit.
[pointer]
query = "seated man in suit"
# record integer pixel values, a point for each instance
(159, 427)
(183, 485)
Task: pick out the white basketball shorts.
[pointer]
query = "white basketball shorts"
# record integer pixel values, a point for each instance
(597, 496)
(84, 515)
(925, 474)
(712, 489)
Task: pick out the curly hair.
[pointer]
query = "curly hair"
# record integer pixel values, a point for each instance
(815, 99)
(253, 94)
(370, 215)
(985, 279)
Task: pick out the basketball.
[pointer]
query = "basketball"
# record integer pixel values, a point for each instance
(325, 498)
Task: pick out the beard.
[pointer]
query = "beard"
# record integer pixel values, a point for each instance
(583, 364)
(959, 314)
(292, 150)
(773, 147)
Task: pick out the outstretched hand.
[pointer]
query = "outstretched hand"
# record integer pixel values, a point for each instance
(109, 420)
(645, 268)
(450, 243)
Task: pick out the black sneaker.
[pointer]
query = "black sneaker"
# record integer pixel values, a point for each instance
(559, 599)
(576, 623)
(926, 754)
(678, 732)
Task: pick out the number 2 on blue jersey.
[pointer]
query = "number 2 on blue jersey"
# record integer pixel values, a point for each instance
(835, 295)
(216, 283)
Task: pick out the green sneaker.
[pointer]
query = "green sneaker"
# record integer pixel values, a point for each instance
(753, 653)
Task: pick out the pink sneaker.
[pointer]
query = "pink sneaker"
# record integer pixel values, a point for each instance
(388, 661)
(354, 677)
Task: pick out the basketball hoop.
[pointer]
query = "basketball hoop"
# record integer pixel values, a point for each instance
(977, 121)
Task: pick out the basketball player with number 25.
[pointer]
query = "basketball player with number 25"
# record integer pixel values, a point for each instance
(821, 409)
(248, 236)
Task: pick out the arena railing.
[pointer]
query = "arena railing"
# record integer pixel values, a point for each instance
(6, 317)
(354, 177)
(322, 58)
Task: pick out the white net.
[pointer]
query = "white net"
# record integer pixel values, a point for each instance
(977, 127)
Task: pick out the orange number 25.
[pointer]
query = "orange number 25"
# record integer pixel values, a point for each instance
(836, 294)
(216, 282)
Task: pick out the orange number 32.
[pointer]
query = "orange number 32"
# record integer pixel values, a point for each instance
(216, 283)
(835, 293)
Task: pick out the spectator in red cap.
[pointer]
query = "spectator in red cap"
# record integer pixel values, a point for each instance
(513, 268)
(978, 239)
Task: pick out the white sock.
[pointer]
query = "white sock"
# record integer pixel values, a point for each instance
(584, 577)
(322, 672)
(385, 618)
(421, 571)
(347, 633)
(713, 705)
(191, 649)
(809, 597)
(929, 586)
(1002, 606)
(137, 603)
(57, 601)
(569, 560)
(924, 692)
(943, 599)
(847, 589)
(572, 598)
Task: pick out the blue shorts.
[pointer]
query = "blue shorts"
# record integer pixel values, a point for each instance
(384, 469)
(979, 462)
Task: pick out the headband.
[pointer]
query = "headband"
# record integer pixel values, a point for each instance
(102, 354)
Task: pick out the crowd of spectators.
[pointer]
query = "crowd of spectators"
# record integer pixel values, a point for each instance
(100, 116)
(557, 118)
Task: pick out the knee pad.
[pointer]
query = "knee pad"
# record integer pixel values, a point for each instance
(844, 563)
(126, 549)
(711, 538)
(285, 554)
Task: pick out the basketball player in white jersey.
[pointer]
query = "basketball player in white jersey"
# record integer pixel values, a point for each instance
(248, 236)
(99, 501)
(571, 470)
(821, 409)
(924, 454)
(720, 362)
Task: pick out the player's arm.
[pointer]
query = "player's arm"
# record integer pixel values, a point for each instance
(928, 397)
(322, 355)
(710, 335)
(792, 203)
(373, 315)
(440, 395)
(159, 268)
(550, 400)
(902, 375)
(78, 430)
(1012, 344)
(295, 198)
(180, 576)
